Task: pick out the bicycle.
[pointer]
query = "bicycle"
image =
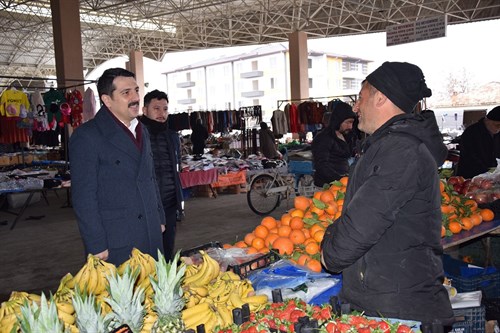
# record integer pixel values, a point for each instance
(268, 188)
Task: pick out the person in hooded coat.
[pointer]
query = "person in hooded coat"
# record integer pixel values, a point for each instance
(198, 138)
(331, 147)
(387, 242)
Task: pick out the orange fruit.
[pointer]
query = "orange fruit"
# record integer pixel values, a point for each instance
(467, 223)
(308, 215)
(297, 236)
(487, 214)
(472, 204)
(315, 227)
(285, 219)
(297, 212)
(273, 231)
(312, 248)
(269, 222)
(284, 245)
(344, 180)
(306, 232)
(326, 196)
(318, 235)
(296, 223)
(240, 244)
(476, 219)
(258, 243)
(309, 240)
(445, 198)
(249, 238)
(264, 250)
(337, 214)
(331, 208)
(447, 209)
(454, 227)
(314, 265)
(317, 195)
(227, 246)
(261, 231)
(301, 203)
(252, 250)
(268, 241)
(284, 231)
(303, 259)
(316, 210)
(441, 186)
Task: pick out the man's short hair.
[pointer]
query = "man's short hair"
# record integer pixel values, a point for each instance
(105, 84)
(155, 94)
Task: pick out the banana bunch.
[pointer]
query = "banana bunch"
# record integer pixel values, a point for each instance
(145, 264)
(149, 319)
(225, 293)
(208, 270)
(66, 312)
(10, 309)
(91, 277)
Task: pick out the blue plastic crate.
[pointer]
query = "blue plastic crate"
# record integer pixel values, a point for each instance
(489, 284)
(301, 167)
(473, 320)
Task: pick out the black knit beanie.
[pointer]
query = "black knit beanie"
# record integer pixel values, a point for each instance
(494, 114)
(403, 83)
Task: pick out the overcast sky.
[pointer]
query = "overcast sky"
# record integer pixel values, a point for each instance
(472, 47)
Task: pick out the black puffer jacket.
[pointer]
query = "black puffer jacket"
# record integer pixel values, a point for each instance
(387, 241)
(331, 154)
(165, 146)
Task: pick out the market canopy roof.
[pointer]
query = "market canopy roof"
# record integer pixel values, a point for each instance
(112, 28)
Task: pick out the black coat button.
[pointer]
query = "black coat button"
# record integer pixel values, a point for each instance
(139, 216)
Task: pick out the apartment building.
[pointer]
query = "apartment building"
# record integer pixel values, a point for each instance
(260, 77)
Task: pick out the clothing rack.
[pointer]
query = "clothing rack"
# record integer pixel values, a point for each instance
(35, 78)
(249, 136)
(353, 98)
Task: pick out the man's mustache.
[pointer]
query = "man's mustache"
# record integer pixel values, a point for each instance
(133, 104)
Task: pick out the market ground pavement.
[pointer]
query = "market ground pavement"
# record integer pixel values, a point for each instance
(46, 244)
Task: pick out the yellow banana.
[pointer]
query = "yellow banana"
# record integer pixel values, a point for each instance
(231, 276)
(93, 280)
(65, 307)
(7, 323)
(66, 318)
(200, 291)
(217, 288)
(192, 301)
(199, 274)
(195, 310)
(236, 300)
(214, 264)
(34, 298)
(18, 296)
(226, 315)
(101, 281)
(191, 270)
(199, 318)
(211, 322)
(150, 318)
(2, 310)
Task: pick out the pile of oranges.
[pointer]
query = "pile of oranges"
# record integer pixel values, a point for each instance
(459, 212)
(297, 235)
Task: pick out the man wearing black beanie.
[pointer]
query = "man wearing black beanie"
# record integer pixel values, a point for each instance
(330, 147)
(387, 242)
(480, 145)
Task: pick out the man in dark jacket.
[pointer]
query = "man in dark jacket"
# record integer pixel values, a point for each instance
(267, 142)
(330, 147)
(198, 138)
(165, 145)
(387, 242)
(113, 183)
(480, 145)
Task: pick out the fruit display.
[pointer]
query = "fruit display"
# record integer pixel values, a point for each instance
(289, 315)
(297, 235)
(211, 295)
(460, 212)
(483, 188)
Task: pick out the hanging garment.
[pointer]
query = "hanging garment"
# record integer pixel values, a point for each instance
(75, 101)
(41, 123)
(13, 103)
(53, 99)
(279, 122)
(89, 105)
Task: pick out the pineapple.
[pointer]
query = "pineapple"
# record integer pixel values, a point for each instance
(126, 304)
(167, 295)
(88, 314)
(40, 319)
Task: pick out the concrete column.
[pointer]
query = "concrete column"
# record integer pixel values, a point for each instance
(136, 65)
(67, 42)
(299, 77)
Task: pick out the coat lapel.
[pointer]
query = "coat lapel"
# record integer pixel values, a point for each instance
(115, 134)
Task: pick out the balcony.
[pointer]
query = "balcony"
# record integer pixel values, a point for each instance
(187, 101)
(252, 74)
(186, 84)
(251, 94)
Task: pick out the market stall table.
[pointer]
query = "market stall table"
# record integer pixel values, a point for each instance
(199, 177)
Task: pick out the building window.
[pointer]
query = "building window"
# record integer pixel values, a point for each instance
(255, 85)
(189, 94)
(364, 69)
(255, 65)
(310, 82)
(188, 76)
(272, 83)
(309, 63)
(349, 66)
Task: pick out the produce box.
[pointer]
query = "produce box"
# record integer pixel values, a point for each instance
(470, 320)
(488, 283)
(242, 269)
(232, 178)
(301, 167)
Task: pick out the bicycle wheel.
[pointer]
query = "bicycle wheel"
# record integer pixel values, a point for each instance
(258, 200)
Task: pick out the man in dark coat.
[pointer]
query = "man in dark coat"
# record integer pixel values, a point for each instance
(113, 183)
(198, 138)
(387, 242)
(267, 142)
(480, 145)
(166, 148)
(330, 147)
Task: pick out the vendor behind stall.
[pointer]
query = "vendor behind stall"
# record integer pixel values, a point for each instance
(387, 240)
